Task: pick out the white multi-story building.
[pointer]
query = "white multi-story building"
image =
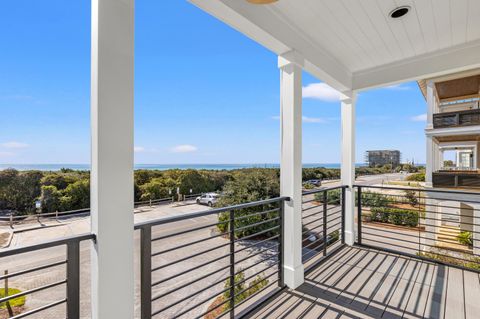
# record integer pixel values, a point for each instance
(453, 161)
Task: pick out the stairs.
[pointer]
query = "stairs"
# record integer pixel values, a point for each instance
(447, 238)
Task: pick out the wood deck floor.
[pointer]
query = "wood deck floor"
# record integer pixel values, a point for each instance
(362, 283)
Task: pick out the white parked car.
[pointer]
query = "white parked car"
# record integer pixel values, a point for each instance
(207, 199)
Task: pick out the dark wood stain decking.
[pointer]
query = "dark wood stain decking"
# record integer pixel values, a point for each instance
(363, 283)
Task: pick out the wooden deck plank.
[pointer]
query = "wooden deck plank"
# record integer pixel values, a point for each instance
(455, 299)
(472, 294)
(380, 299)
(435, 307)
(399, 300)
(418, 299)
(366, 283)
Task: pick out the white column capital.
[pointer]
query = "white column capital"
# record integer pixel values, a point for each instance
(291, 58)
(348, 97)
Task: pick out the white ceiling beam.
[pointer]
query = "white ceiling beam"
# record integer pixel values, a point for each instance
(430, 65)
(264, 26)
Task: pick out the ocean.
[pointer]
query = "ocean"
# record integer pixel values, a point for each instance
(162, 167)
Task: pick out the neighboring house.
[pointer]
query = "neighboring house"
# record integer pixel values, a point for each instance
(453, 161)
(383, 157)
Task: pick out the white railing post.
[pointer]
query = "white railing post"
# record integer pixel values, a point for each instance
(348, 101)
(290, 66)
(112, 57)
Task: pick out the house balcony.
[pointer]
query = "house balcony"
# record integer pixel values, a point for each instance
(456, 119)
(230, 262)
(456, 178)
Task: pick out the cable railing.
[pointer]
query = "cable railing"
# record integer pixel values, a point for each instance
(65, 264)
(436, 225)
(322, 223)
(215, 263)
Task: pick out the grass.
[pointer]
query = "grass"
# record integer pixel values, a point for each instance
(471, 262)
(16, 302)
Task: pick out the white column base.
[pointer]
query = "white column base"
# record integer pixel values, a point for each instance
(293, 278)
(349, 237)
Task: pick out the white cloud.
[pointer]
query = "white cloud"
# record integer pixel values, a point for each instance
(139, 149)
(185, 148)
(305, 119)
(313, 119)
(15, 145)
(419, 118)
(397, 87)
(6, 154)
(321, 91)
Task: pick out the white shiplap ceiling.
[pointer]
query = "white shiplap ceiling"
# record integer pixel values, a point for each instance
(353, 41)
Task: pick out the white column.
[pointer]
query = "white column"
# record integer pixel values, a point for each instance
(348, 101)
(112, 158)
(291, 164)
(431, 103)
(429, 168)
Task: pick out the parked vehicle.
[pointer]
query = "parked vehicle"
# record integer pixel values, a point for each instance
(207, 199)
(314, 182)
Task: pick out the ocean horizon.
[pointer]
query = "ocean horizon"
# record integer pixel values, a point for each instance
(162, 167)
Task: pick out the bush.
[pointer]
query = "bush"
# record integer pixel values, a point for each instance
(417, 177)
(412, 197)
(372, 199)
(16, 302)
(240, 290)
(396, 216)
(465, 238)
(250, 186)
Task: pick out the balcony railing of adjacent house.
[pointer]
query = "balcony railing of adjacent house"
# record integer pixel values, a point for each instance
(456, 179)
(456, 119)
(433, 225)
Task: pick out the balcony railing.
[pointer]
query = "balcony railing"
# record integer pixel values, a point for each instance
(433, 225)
(323, 224)
(192, 272)
(226, 262)
(457, 178)
(68, 265)
(456, 119)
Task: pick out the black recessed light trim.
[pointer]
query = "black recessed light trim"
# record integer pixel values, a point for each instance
(399, 12)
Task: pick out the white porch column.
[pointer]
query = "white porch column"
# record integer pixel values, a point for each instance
(431, 103)
(348, 100)
(291, 164)
(112, 159)
(430, 157)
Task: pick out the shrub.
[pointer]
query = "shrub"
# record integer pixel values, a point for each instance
(16, 302)
(465, 238)
(417, 177)
(240, 290)
(396, 216)
(412, 197)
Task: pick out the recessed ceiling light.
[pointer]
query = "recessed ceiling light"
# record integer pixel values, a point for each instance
(261, 1)
(399, 12)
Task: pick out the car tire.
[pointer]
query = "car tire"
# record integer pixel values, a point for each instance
(198, 202)
(210, 204)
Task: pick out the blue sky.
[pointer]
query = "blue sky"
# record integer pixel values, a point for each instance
(204, 93)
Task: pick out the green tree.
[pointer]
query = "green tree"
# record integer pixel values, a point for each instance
(249, 186)
(158, 188)
(51, 199)
(76, 196)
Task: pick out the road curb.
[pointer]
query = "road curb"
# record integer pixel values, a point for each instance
(22, 230)
(9, 241)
